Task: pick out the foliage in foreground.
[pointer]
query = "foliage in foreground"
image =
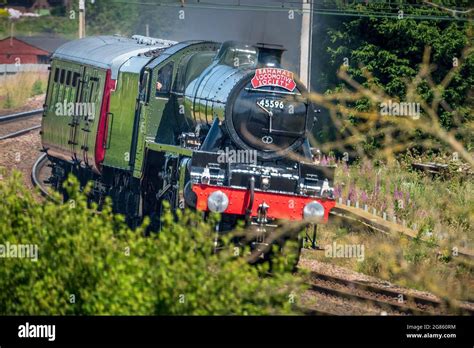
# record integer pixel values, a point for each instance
(441, 208)
(91, 263)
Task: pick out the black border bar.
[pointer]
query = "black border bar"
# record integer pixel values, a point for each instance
(287, 330)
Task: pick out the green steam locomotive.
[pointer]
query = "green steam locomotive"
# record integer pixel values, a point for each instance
(199, 124)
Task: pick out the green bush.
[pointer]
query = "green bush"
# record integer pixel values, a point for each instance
(91, 263)
(37, 88)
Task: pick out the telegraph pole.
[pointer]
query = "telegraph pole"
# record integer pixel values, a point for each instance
(82, 19)
(306, 43)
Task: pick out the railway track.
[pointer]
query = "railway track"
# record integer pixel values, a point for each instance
(37, 175)
(18, 124)
(365, 219)
(379, 298)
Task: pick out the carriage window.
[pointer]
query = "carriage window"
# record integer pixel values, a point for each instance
(165, 77)
(56, 75)
(92, 90)
(75, 78)
(63, 76)
(68, 78)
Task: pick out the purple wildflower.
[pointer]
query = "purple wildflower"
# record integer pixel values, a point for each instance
(397, 194)
(363, 196)
(352, 195)
(324, 161)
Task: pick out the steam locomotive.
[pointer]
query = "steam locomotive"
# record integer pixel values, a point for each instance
(214, 127)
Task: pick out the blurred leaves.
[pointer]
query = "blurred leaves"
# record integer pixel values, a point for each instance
(108, 269)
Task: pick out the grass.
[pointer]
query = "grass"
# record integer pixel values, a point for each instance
(15, 90)
(440, 207)
(407, 263)
(443, 211)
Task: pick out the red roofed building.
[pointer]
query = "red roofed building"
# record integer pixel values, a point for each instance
(14, 51)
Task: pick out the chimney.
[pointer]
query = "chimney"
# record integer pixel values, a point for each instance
(269, 55)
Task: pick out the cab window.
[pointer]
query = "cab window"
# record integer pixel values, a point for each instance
(164, 80)
(237, 55)
(75, 79)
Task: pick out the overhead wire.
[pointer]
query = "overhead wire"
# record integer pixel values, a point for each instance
(288, 5)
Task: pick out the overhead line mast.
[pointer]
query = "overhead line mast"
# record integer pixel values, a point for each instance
(306, 43)
(82, 19)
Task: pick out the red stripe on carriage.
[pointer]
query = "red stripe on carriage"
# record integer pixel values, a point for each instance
(102, 131)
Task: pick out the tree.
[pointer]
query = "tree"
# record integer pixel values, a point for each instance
(391, 51)
(127, 18)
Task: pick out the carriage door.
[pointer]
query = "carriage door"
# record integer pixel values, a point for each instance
(91, 103)
(85, 113)
(81, 86)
